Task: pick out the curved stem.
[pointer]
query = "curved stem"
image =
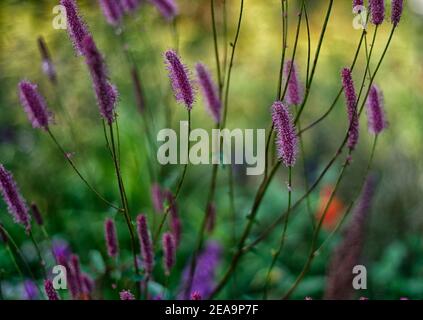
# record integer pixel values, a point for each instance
(70, 161)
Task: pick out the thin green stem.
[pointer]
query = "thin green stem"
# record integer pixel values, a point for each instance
(40, 257)
(216, 48)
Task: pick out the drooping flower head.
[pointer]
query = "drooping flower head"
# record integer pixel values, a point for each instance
(286, 138)
(111, 238)
(294, 95)
(167, 8)
(210, 91)
(351, 101)
(50, 291)
(36, 214)
(203, 282)
(126, 295)
(30, 290)
(47, 64)
(34, 105)
(375, 112)
(145, 243)
(106, 93)
(396, 11)
(112, 10)
(129, 6)
(14, 200)
(377, 11)
(348, 253)
(180, 79)
(168, 252)
(76, 27)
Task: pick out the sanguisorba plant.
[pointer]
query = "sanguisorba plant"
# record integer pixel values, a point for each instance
(200, 278)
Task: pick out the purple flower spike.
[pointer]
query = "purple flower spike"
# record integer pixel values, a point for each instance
(34, 105)
(112, 10)
(375, 112)
(295, 95)
(50, 291)
(175, 221)
(111, 238)
(210, 91)
(286, 139)
(31, 291)
(14, 200)
(126, 295)
(36, 214)
(377, 10)
(145, 243)
(195, 295)
(168, 252)
(129, 6)
(47, 63)
(106, 93)
(157, 197)
(357, 3)
(167, 8)
(88, 284)
(351, 100)
(76, 27)
(179, 77)
(396, 11)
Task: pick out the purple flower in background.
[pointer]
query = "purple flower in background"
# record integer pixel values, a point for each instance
(157, 197)
(88, 284)
(76, 27)
(145, 243)
(126, 295)
(286, 138)
(34, 105)
(396, 11)
(31, 291)
(195, 295)
(179, 77)
(210, 91)
(50, 291)
(203, 281)
(351, 100)
(357, 3)
(112, 10)
(111, 238)
(168, 252)
(75, 273)
(130, 6)
(175, 221)
(167, 8)
(375, 112)
(61, 251)
(348, 253)
(106, 93)
(47, 63)
(36, 214)
(14, 200)
(377, 11)
(295, 95)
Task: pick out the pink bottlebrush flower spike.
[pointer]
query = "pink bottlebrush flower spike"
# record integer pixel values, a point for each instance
(111, 238)
(76, 27)
(168, 252)
(175, 221)
(145, 243)
(286, 139)
(210, 91)
(126, 295)
(396, 11)
(50, 291)
(377, 11)
(34, 105)
(112, 10)
(167, 8)
(14, 200)
(375, 112)
(180, 79)
(351, 100)
(129, 6)
(157, 197)
(106, 93)
(294, 94)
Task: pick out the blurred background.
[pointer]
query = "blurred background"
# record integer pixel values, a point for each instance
(393, 251)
